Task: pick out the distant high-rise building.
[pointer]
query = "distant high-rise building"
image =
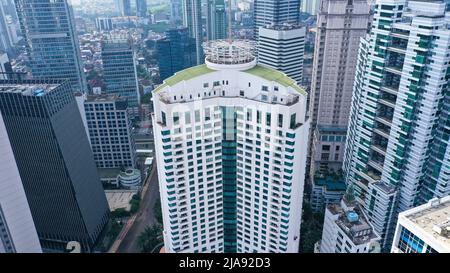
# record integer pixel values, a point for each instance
(124, 7)
(51, 42)
(282, 48)
(347, 230)
(119, 71)
(216, 20)
(192, 19)
(17, 233)
(103, 24)
(55, 162)
(311, 6)
(275, 12)
(175, 52)
(424, 229)
(6, 40)
(340, 26)
(112, 145)
(176, 12)
(398, 131)
(231, 153)
(141, 8)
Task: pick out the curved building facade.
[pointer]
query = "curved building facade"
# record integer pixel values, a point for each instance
(230, 140)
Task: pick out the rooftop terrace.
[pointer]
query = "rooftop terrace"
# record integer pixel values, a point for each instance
(430, 215)
(258, 70)
(36, 90)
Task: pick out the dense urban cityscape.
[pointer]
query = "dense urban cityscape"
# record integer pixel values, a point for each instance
(224, 126)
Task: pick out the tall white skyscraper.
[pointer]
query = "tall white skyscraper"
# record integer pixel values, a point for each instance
(230, 139)
(282, 48)
(340, 26)
(397, 150)
(17, 230)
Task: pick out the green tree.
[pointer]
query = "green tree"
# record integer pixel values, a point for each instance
(158, 212)
(311, 229)
(150, 238)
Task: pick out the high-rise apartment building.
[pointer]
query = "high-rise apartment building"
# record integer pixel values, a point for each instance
(119, 71)
(51, 41)
(424, 229)
(192, 19)
(282, 48)
(230, 139)
(340, 25)
(397, 138)
(55, 162)
(176, 51)
(17, 231)
(216, 20)
(275, 12)
(109, 128)
(346, 229)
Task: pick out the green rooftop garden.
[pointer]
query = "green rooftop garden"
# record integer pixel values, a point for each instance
(276, 76)
(185, 75)
(259, 71)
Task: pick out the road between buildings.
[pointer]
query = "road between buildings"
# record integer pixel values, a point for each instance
(144, 217)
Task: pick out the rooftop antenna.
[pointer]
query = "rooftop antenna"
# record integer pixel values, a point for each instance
(230, 35)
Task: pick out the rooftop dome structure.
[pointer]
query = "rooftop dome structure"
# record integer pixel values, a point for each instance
(230, 54)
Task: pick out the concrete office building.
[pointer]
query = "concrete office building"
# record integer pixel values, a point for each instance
(231, 154)
(347, 230)
(55, 162)
(424, 229)
(282, 48)
(397, 144)
(119, 72)
(51, 41)
(109, 127)
(340, 25)
(17, 231)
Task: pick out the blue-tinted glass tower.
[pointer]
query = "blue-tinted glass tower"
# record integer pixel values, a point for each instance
(49, 31)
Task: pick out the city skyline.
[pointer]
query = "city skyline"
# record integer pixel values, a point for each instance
(224, 126)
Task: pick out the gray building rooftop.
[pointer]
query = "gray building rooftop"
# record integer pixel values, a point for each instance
(27, 89)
